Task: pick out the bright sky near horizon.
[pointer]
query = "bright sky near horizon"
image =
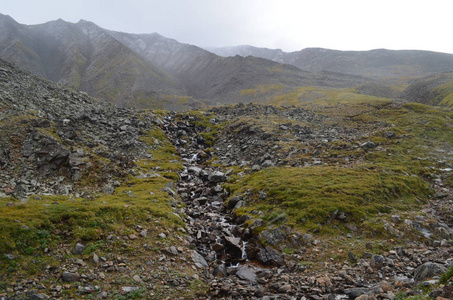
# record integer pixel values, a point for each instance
(290, 25)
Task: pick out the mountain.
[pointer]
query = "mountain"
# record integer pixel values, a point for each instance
(276, 55)
(221, 79)
(378, 64)
(83, 56)
(145, 70)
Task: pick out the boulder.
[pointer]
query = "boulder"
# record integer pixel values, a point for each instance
(273, 236)
(270, 256)
(199, 260)
(246, 273)
(217, 177)
(428, 270)
(70, 277)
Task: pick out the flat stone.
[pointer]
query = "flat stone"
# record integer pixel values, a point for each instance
(127, 289)
(284, 289)
(234, 241)
(217, 177)
(199, 260)
(368, 145)
(70, 277)
(355, 292)
(39, 296)
(246, 273)
(195, 170)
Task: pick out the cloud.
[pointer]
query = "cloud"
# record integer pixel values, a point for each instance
(288, 24)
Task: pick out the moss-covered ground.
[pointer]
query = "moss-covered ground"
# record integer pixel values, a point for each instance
(356, 189)
(37, 236)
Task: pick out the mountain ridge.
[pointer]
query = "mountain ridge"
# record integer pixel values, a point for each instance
(152, 71)
(375, 63)
(146, 70)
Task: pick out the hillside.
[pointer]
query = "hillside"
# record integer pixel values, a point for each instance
(145, 70)
(377, 64)
(344, 196)
(84, 57)
(434, 90)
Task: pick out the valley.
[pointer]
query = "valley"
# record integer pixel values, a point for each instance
(133, 166)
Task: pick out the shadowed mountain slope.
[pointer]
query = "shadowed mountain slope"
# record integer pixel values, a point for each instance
(145, 70)
(206, 75)
(434, 90)
(379, 63)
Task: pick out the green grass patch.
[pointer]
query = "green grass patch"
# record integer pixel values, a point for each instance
(307, 197)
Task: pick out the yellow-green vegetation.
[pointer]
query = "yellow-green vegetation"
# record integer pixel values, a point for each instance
(262, 89)
(164, 156)
(362, 184)
(28, 228)
(310, 197)
(446, 93)
(57, 223)
(309, 93)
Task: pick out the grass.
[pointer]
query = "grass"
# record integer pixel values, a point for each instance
(163, 154)
(447, 276)
(310, 94)
(307, 197)
(393, 178)
(57, 223)
(209, 131)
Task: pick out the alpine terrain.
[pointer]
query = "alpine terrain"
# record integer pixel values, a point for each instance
(133, 166)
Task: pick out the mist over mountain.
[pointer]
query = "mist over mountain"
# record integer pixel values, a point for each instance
(146, 70)
(377, 64)
(152, 71)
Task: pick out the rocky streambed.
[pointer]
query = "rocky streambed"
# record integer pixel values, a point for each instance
(236, 265)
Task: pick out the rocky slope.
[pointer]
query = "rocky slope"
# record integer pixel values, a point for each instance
(257, 252)
(379, 63)
(333, 199)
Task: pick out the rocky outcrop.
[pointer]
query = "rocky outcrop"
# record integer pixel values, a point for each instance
(53, 137)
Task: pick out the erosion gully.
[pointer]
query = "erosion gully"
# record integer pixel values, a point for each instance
(214, 232)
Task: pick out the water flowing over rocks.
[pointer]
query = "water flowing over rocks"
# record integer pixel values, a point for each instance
(66, 136)
(238, 266)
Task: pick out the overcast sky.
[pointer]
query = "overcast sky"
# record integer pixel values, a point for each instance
(286, 24)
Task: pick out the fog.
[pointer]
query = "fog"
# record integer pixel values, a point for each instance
(286, 24)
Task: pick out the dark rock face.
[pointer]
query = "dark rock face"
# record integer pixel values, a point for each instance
(70, 277)
(270, 256)
(47, 153)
